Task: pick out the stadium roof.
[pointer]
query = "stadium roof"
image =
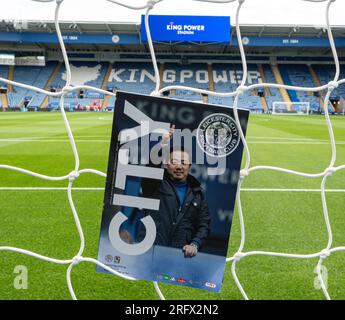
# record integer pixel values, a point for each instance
(270, 12)
(129, 27)
(137, 49)
(286, 20)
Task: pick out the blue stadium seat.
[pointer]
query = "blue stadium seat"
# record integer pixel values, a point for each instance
(191, 75)
(274, 93)
(139, 77)
(326, 74)
(132, 77)
(3, 74)
(299, 75)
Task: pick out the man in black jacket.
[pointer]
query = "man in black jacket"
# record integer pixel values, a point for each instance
(183, 219)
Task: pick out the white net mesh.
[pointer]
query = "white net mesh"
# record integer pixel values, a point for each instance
(241, 89)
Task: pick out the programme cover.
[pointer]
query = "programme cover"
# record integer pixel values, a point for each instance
(170, 191)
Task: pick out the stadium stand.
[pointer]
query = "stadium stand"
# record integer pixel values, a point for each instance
(139, 77)
(3, 74)
(326, 73)
(27, 75)
(41, 82)
(129, 76)
(191, 75)
(251, 100)
(83, 73)
(222, 83)
(299, 75)
(274, 94)
(3, 98)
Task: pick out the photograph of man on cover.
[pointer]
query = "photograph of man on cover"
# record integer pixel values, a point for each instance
(183, 219)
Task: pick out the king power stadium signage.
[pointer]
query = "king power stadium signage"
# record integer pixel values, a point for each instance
(187, 28)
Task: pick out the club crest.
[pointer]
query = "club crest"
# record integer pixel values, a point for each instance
(218, 135)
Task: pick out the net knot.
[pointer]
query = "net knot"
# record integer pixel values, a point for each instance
(66, 89)
(324, 254)
(241, 1)
(155, 94)
(73, 175)
(238, 256)
(151, 4)
(244, 173)
(77, 259)
(329, 171)
(332, 85)
(241, 89)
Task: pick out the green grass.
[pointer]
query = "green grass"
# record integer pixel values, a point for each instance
(290, 222)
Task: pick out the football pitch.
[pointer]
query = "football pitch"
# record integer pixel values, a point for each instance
(282, 212)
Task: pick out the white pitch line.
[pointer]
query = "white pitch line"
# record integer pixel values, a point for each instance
(53, 140)
(48, 189)
(295, 142)
(304, 142)
(283, 138)
(95, 136)
(289, 190)
(102, 189)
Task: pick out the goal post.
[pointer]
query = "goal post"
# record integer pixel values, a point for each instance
(291, 108)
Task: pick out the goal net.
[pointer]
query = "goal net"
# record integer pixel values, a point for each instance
(290, 108)
(322, 253)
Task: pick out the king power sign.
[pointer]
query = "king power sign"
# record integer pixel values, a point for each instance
(187, 28)
(185, 76)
